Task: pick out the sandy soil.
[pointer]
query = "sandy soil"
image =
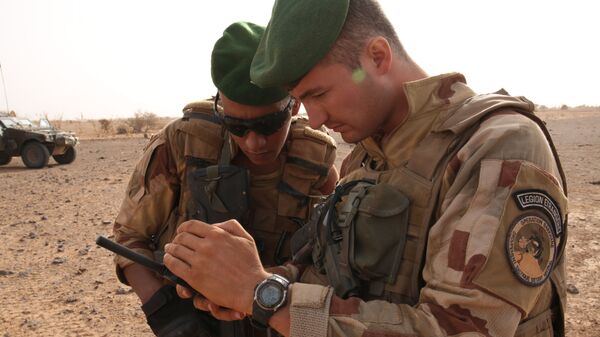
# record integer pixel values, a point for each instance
(54, 281)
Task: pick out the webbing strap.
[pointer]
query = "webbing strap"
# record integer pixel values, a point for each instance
(344, 218)
(318, 169)
(212, 173)
(538, 326)
(284, 187)
(225, 158)
(202, 116)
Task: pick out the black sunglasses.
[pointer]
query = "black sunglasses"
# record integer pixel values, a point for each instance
(265, 125)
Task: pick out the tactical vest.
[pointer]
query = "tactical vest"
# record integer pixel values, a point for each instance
(420, 181)
(281, 203)
(278, 205)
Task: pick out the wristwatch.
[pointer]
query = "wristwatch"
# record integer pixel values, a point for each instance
(269, 295)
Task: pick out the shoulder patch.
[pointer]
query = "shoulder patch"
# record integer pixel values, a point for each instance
(531, 248)
(537, 199)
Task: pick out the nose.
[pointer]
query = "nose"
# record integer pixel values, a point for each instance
(255, 142)
(316, 116)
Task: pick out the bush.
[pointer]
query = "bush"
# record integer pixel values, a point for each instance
(123, 129)
(105, 125)
(142, 121)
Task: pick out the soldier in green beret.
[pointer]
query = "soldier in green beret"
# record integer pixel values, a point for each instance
(449, 219)
(243, 155)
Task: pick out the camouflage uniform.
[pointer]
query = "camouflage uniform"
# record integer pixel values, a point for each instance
(158, 200)
(486, 226)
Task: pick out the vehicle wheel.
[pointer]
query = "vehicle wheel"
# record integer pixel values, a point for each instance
(66, 158)
(5, 158)
(35, 155)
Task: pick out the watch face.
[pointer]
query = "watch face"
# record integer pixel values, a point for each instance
(270, 295)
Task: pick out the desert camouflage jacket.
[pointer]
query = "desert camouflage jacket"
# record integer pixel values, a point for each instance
(496, 234)
(157, 198)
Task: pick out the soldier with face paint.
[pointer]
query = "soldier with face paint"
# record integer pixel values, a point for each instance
(451, 215)
(243, 155)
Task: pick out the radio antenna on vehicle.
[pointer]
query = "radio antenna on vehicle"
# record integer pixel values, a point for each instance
(4, 86)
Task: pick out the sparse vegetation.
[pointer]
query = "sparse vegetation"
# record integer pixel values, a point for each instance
(123, 129)
(565, 107)
(142, 121)
(106, 125)
(146, 123)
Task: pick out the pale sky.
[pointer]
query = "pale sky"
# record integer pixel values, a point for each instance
(108, 59)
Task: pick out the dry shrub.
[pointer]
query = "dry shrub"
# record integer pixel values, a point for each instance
(142, 121)
(105, 125)
(123, 129)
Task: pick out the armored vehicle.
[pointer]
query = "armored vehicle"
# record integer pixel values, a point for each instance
(35, 142)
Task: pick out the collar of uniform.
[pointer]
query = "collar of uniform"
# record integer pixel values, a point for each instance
(433, 93)
(430, 101)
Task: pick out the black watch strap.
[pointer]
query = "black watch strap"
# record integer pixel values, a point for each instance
(260, 318)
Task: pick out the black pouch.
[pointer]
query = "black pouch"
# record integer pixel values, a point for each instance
(220, 193)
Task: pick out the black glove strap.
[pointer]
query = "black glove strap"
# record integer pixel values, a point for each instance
(168, 315)
(158, 300)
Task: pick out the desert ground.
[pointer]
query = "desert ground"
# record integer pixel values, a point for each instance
(54, 280)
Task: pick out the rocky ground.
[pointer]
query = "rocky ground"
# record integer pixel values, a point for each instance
(54, 280)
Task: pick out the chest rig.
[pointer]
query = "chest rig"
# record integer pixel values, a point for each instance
(282, 203)
(333, 247)
(271, 210)
(213, 190)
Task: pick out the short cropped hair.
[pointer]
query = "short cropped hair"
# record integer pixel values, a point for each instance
(364, 21)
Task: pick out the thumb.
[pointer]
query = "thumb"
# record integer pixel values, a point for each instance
(233, 227)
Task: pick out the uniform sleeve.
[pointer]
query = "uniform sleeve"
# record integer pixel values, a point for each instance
(149, 200)
(312, 150)
(321, 148)
(489, 254)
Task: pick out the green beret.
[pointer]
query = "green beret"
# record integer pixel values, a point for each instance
(230, 66)
(298, 36)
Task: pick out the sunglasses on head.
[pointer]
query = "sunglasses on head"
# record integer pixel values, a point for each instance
(265, 125)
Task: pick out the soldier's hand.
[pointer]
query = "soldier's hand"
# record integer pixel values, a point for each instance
(184, 292)
(220, 261)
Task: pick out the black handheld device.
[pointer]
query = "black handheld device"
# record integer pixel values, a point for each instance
(144, 261)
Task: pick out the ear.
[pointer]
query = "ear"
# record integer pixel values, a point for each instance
(296, 107)
(380, 54)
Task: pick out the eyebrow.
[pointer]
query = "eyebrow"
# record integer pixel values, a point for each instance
(310, 92)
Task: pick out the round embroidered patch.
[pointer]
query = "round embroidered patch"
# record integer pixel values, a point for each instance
(531, 248)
